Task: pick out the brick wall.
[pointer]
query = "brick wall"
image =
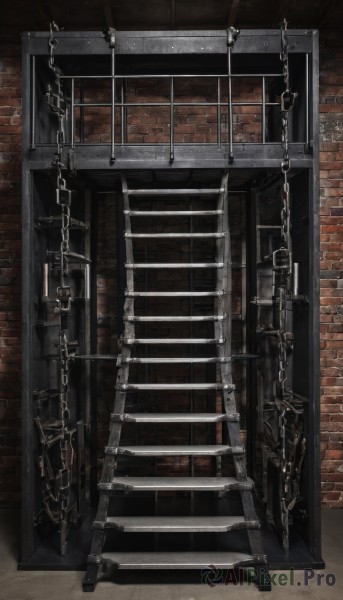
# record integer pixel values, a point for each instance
(331, 182)
(10, 250)
(195, 126)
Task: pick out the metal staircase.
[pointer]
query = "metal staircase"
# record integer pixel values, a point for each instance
(210, 354)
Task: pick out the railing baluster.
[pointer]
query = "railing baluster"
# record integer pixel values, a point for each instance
(82, 111)
(122, 109)
(113, 101)
(230, 126)
(171, 119)
(219, 116)
(263, 110)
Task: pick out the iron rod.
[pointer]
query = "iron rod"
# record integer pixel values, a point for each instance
(307, 101)
(82, 113)
(263, 110)
(171, 119)
(122, 109)
(87, 282)
(33, 103)
(113, 99)
(296, 279)
(94, 104)
(219, 117)
(72, 112)
(45, 280)
(175, 76)
(230, 105)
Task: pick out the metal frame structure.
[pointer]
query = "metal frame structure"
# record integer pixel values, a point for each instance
(117, 58)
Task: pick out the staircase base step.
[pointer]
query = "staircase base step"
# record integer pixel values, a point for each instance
(173, 560)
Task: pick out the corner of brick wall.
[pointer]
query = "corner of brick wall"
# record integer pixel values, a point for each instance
(10, 253)
(331, 240)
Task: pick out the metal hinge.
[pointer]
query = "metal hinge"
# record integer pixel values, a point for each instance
(232, 35)
(110, 36)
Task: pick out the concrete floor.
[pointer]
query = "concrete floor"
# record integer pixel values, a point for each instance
(52, 585)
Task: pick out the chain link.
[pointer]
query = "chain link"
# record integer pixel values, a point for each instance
(57, 102)
(282, 259)
(282, 268)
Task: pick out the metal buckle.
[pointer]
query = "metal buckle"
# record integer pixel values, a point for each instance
(282, 260)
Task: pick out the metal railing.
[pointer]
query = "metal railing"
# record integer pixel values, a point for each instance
(120, 102)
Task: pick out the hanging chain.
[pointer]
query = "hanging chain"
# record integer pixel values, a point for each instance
(282, 262)
(63, 476)
(57, 101)
(282, 258)
(289, 409)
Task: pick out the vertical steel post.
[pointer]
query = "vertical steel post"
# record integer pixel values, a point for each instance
(72, 135)
(232, 35)
(307, 133)
(314, 479)
(219, 116)
(33, 103)
(113, 102)
(27, 432)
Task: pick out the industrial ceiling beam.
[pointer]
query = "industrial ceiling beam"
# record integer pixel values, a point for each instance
(106, 7)
(233, 12)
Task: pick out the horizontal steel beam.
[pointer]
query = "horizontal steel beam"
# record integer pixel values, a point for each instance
(169, 42)
(150, 156)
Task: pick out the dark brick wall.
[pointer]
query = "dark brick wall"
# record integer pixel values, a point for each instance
(196, 126)
(10, 251)
(331, 182)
